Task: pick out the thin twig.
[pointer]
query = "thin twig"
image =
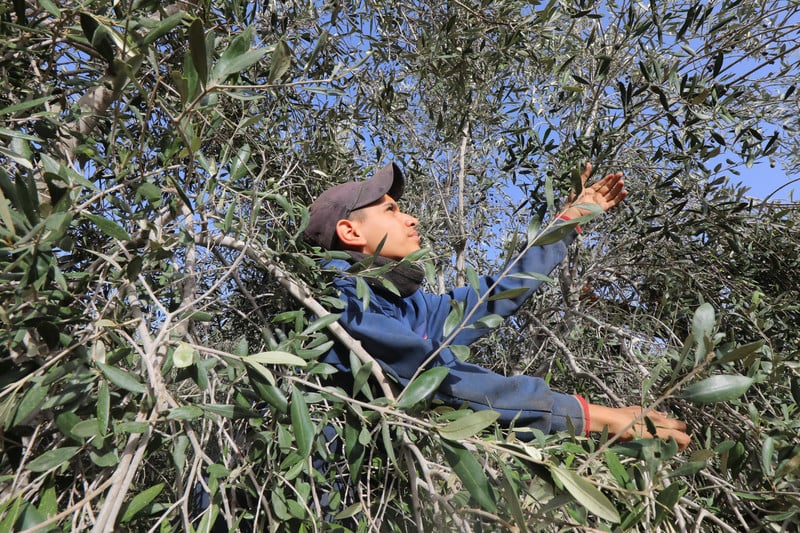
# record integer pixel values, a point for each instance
(577, 370)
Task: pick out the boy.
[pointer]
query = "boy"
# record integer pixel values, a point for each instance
(402, 332)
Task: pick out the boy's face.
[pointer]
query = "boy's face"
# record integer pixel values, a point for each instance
(384, 219)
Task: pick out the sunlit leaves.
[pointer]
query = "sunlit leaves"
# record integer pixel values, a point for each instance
(469, 425)
(302, 425)
(740, 352)
(122, 378)
(185, 412)
(454, 318)
(721, 388)
(422, 387)
(103, 407)
(257, 362)
(140, 501)
(184, 355)
(164, 27)
(52, 459)
(238, 56)
(281, 60)
(702, 326)
(586, 494)
(275, 358)
(109, 227)
(470, 472)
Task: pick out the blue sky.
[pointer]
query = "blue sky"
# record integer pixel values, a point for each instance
(764, 181)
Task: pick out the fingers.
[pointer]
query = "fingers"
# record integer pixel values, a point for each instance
(612, 188)
(663, 421)
(617, 192)
(666, 422)
(610, 182)
(606, 193)
(666, 427)
(680, 437)
(587, 171)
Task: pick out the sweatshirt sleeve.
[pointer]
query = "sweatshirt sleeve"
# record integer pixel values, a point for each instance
(521, 401)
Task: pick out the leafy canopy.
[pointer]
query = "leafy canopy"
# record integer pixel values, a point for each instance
(162, 319)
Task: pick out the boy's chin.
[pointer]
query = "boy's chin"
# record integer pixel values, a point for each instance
(416, 249)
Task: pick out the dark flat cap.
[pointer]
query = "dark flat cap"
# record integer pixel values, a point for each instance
(338, 202)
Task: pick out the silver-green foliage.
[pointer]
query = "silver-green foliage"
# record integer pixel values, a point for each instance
(159, 307)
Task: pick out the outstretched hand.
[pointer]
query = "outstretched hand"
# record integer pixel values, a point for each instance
(606, 193)
(628, 423)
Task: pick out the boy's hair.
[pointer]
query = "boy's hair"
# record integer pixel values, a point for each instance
(357, 215)
(340, 202)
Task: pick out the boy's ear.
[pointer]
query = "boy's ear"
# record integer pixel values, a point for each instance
(349, 234)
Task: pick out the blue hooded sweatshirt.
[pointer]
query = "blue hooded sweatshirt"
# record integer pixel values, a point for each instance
(401, 334)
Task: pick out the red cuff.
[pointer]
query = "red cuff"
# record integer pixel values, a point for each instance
(565, 217)
(585, 407)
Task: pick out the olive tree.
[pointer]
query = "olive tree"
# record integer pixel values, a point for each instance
(163, 319)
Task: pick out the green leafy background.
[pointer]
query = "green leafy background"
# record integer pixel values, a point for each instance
(162, 319)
